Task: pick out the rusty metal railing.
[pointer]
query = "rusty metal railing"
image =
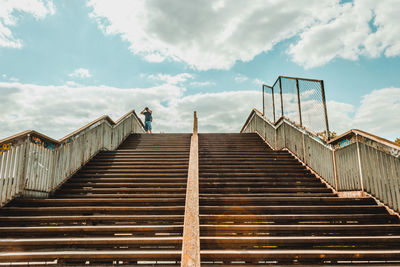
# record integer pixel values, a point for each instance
(34, 165)
(354, 161)
(191, 229)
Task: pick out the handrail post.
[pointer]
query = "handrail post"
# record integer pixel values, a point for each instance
(263, 101)
(273, 103)
(191, 227)
(359, 165)
(280, 91)
(195, 123)
(328, 135)
(298, 102)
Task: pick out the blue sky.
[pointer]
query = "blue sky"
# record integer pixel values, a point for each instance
(65, 63)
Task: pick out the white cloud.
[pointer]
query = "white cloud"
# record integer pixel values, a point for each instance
(348, 34)
(171, 79)
(59, 110)
(80, 73)
(72, 83)
(240, 78)
(202, 84)
(379, 112)
(11, 79)
(206, 34)
(216, 34)
(258, 82)
(8, 17)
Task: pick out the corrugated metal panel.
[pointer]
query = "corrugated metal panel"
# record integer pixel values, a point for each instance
(320, 159)
(347, 168)
(35, 170)
(294, 141)
(11, 172)
(270, 134)
(381, 175)
(280, 132)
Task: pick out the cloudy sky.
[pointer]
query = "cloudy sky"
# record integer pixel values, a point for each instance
(66, 63)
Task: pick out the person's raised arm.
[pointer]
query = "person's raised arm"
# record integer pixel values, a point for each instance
(151, 112)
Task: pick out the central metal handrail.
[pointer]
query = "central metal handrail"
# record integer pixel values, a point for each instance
(191, 228)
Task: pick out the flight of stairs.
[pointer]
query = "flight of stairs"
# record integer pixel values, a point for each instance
(260, 207)
(257, 207)
(123, 207)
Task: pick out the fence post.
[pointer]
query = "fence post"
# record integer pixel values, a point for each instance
(298, 102)
(328, 136)
(263, 101)
(280, 91)
(25, 162)
(335, 174)
(304, 148)
(273, 103)
(359, 165)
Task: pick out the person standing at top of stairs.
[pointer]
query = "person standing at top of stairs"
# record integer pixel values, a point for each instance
(148, 118)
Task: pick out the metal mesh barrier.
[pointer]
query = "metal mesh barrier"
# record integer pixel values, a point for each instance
(268, 105)
(312, 105)
(290, 101)
(300, 100)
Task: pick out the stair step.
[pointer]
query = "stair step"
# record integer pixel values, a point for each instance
(299, 230)
(80, 210)
(298, 219)
(301, 254)
(22, 244)
(98, 201)
(98, 219)
(118, 191)
(288, 200)
(92, 255)
(98, 230)
(298, 209)
(301, 242)
(264, 190)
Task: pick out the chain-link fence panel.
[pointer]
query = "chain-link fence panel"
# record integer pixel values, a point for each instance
(312, 105)
(268, 105)
(290, 100)
(277, 100)
(300, 100)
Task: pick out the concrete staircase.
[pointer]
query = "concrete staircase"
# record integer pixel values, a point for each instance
(257, 207)
(123, 207)
(261, 207)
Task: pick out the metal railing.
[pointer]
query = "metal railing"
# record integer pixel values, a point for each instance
(353, 161)
(191, 227)
(34, 165)
(302, 100)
